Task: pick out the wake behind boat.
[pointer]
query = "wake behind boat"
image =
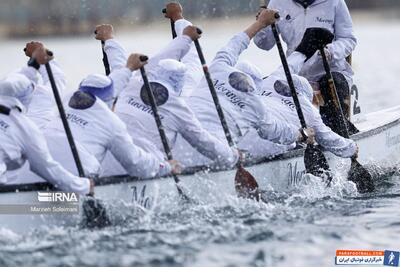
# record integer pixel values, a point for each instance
(379, 141)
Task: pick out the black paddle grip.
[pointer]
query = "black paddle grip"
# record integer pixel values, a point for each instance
(143, 58)
(65, 123)
(164, 11)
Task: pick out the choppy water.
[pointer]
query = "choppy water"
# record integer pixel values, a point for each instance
(300, 228)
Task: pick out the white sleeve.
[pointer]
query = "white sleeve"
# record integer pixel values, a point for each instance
(345, 41)
(117, 57)
(230, 53)
(270, 128)
(120, 78)
(176, 49)
(135, 160)
(41, 162)
(192, 131)
(116, 54)
(264, 39)
(59, 77)
(277, 131)
(324, 136)
(295, 62)
(194, 71)
(180, 25)
(30, 73)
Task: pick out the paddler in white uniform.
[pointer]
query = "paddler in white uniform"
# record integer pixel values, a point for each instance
(276, 95)
(194, 72)
(21, 140)
(43, 110)
(251, 125)
(42, 106)
(296, 17)
(99, 130)
(167, 76)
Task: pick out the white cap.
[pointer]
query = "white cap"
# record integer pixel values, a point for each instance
(172, 72)
(96, 80)
(98, 85)
(17, 85)
(252, 70)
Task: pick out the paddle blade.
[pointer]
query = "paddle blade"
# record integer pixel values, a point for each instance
(184, 196)
(246, 185)
(316, 163)
(351, 127)
(361, 177)
(95, 214)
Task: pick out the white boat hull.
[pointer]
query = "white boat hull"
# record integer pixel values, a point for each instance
(379, 142)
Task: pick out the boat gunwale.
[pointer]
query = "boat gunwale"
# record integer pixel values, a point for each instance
(118, 179)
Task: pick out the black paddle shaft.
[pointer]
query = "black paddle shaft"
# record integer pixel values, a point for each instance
(333, 93)
(289, 77)
(358, 174)
(245, 183)
(105, 59)
(174, 35)
(314, 160)
(214, 95)
(173, 29)
(65, 121)
(157, 118)
(106, 65)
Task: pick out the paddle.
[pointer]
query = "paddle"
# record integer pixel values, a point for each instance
(357, 174)
(160, 127)
(105, 58)
(164, 11)
(106, 66)
(314, 160)
(96, 215)
(245, 184)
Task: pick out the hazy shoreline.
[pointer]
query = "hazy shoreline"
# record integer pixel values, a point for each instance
(82, 28)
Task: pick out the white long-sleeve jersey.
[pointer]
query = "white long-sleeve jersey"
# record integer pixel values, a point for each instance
(42, 107)
(21, 140)
(243, 110)
(281, 104)
(295, 19)
(117, 57)
(99, 130)
(194, 71)
(176, 116)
